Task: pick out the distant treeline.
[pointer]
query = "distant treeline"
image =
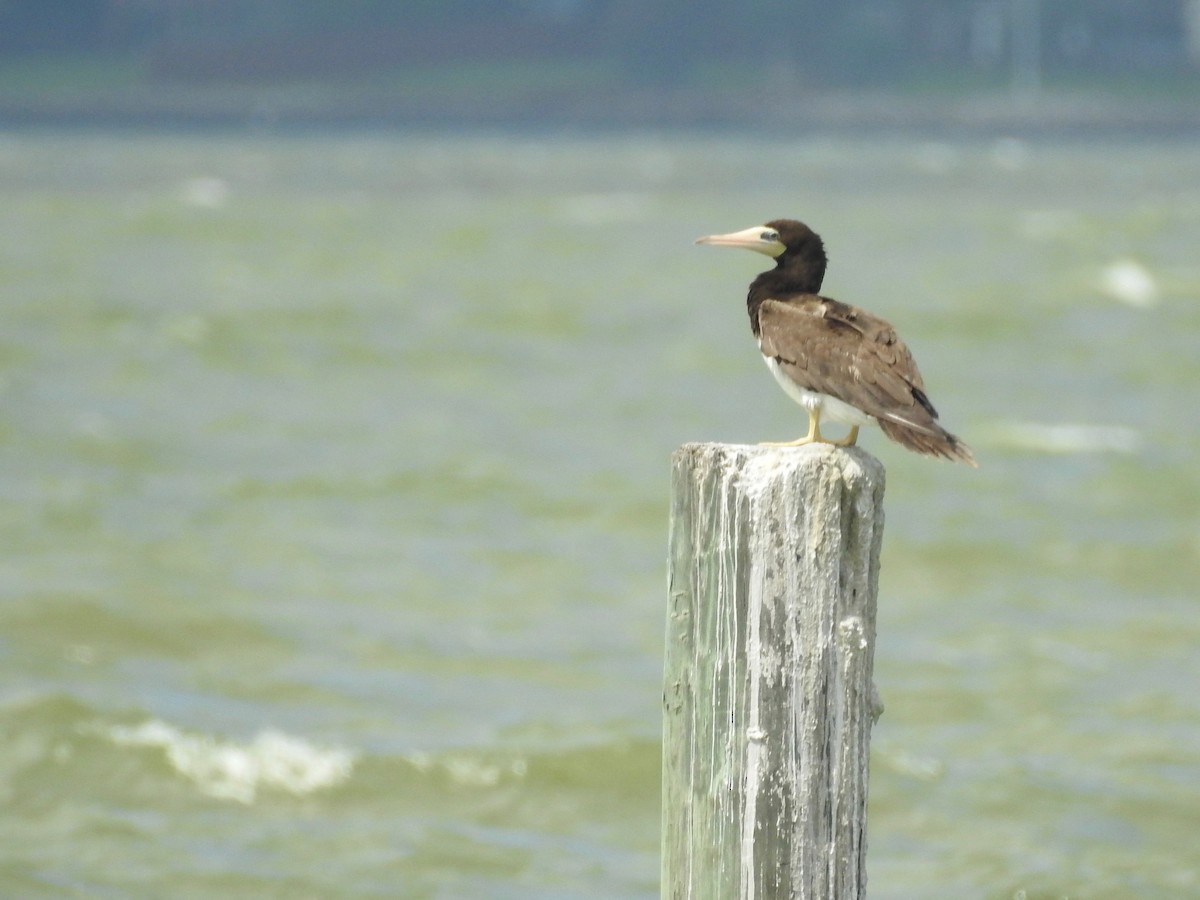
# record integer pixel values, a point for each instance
(660, 41)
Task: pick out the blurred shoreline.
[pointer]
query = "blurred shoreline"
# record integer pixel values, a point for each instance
(406, 104)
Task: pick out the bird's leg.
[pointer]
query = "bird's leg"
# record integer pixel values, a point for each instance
(813, 436)
(849, 440)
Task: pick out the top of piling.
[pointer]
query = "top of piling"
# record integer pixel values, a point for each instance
(764, 461)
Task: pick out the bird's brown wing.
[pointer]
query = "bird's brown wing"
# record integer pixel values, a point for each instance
(847, 353)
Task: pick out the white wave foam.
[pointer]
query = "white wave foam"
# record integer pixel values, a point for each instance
(1066, 438)
(469, 771)
(205, 192)
(230, 771)
(1129, 282)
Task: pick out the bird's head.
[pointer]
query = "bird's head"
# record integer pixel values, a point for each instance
(776, 238)
(797, 250)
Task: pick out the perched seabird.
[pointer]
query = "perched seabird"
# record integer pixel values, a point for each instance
(837, 361)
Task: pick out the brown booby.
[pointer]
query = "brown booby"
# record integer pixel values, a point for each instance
(839, 362)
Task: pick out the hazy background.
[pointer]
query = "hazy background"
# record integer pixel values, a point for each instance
(602, 62)
(343, 348)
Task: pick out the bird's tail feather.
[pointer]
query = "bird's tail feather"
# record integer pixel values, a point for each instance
(932, 443)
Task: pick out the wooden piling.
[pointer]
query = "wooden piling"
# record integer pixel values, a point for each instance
(768, 699)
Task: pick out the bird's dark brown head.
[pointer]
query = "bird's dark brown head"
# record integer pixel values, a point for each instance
(798, 252)
(803, 259)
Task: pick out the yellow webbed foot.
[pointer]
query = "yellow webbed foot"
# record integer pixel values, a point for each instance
(798, 442)
(813, 436)
(849, 440)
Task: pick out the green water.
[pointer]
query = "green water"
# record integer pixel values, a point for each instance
(333, 483)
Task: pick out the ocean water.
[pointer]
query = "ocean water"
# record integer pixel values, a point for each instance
(333, 490)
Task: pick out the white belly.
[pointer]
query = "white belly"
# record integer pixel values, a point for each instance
(832, 409)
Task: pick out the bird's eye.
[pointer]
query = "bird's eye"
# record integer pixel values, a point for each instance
(769, 236)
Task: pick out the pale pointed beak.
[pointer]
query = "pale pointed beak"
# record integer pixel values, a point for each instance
(760, 239)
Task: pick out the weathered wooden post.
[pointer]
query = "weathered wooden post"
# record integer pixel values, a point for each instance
(768, 698)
